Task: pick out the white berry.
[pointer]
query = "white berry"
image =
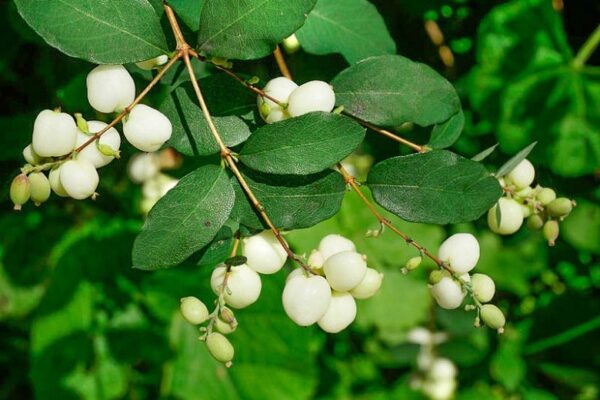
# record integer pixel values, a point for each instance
(91, 153)
(522, 175)
(483, 287)
(312, 96)
(30, 156)
(460, 251)
(153, 62)
(333, 244)
(79, 178)
(340, 313)
(193, 310)
(306, 299)
(369, 285)
(511, 217)
(143, 166)
(54, 134)
(243, 285)
(345, 270)
(279, 88)
(264, 253)
(316, 259)
(447, 293)
(110, 88)
(442, 369)
(147, 129)
(55, 184)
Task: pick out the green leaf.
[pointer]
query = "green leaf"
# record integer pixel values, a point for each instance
(303, 145)
(250, 29)
(484, 154)
(291, 202)
(436, 187)
(582, 228)
(446, 133)
(392, 90)
(514, 161)
(102, 32)
(331, 27)
(191, 134)
(507, 365)
(189, 11)
(186, 219)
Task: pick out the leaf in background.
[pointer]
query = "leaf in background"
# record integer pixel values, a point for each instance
(102, 32)
(331, 27)
(392, 90)
(250, 29)
(514, 161)
(303, 145)
(436, 187)
(186, 219)
(189, 11)
(507, 365)
(582, 228)
(191, 134)
(446, 133)
(291, 202)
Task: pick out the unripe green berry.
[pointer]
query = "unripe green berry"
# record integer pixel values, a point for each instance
(526, 191)
(413, 263)
(40, 187)
(20, 191)
(492, 317)
(483, 287)
(546, 196)
(535, 222)
(220, 348)
(437, 275)
(560, 207)
(224, 327)
(193, 310)
(551, 231)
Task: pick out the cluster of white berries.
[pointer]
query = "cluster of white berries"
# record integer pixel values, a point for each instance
(521, 200)
(449, 287)
(436, 376)
(327, 295)
(294, 100)
(67, 146)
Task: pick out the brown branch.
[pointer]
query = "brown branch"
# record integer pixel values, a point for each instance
(281, 64)
(388, 134)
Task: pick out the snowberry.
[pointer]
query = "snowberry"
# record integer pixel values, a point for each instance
(264, 253)
(147, 129)
(442, 369)
(153, 62)
(157, 186)
(316, 259)
(279, 88)
(55, 184)
(220, 347)
(333, 244)
(92, 152)
(460, 251)
(40, 187)
(340, 313)
(526, 210)
(79, 178)
(20, 191)
(545, 196)
(492, 316)
(306, 298)
(369, 285)
(560, 207)
(54, 134)
(511, 217)
(551, 231)
(522, 175)
(345, 270)
(143, 166)
(193, 310)
(483, 287)
(413, 263)
(535, 222)
(225, 327)
(31, 156)
(442, 389)
(446, 291)
(110, 88)
(243, 285)
(311, 96)
(419, 335)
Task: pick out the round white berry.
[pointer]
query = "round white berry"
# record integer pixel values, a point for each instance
(306, 298)
(345, 270)
(447, 293)
(279, 88)
(153, 62)
(264, 253)
(522, 175)
(511, 217)
(55, 184)
(460, 251)
(442, 369)
(369, 285)
(143, 167)
(316, 259)
(311, 96)
(30, 156)
(79, 178)
(275, 116)
(220, 347)
(419, 335)
(54, 134)
(441, 389)
(193, 310)
(333, 244)
(340, 313)
(91, 152)
(147, 129)
(243, 285)
(110, 88)
(483, 287)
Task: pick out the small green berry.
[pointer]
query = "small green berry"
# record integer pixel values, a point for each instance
(492, 317)
(483, 287)
(546, 196)
(413, 263)
(193, 310)
(560, 207)
(40, 187)
(220, 348)
(535, 222)
(20, 191)
(551, 231)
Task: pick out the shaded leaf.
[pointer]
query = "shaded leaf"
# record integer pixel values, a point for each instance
(445, 134)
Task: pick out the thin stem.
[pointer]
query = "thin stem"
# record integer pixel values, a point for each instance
(388, 134)
(253, 88)
(180, 40)
(588, 48)
(281, 64)
(563, 337)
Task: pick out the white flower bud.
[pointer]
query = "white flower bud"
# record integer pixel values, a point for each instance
(511, 217)
(193, 310)
(264, 253)
(110, 88)
(306, 299)
(522, 175)
(369, 285)
(54, 134)
(147, 129)
(333, 244)
(447, 293)
(345, 270)
(311, 96)
(91, 153)
(243, 285)
(79, 178)
(340, 313)
(460, 251)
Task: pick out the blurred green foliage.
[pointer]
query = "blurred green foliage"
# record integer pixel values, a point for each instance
(78, 323)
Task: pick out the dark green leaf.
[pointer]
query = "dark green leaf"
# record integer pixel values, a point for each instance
(331, 27)
(436, 187)
(304, 145)
(514, 161)
(445, 134)
(484, 154)
(392, 90)
(186, 219)
(191, 134)
(189, 11)
(291, 202)
(103, 32)
(249, 29)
